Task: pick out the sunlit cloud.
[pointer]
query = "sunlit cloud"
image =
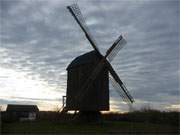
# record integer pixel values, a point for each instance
(174, 107)
(18, 86)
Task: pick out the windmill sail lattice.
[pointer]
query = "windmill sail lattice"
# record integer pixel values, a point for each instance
(76, 13)
(118, 45)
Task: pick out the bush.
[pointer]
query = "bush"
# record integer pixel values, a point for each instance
(150, 116)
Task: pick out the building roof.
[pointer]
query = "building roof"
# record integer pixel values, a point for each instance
(86, 58)
(21, 108)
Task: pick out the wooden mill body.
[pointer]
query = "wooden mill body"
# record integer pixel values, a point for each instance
(96, 97)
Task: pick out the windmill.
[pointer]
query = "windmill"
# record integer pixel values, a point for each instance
(88, 74)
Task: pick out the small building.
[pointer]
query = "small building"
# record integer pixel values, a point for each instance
(21, 112)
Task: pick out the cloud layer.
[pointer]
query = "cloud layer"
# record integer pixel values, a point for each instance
(40, 38)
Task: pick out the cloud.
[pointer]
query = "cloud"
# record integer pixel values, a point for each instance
(40, 39)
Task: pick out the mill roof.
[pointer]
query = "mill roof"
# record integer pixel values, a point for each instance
(86, 58)
(21, 108)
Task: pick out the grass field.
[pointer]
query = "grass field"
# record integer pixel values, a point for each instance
(117, 127)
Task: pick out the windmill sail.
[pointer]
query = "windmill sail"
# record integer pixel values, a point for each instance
(119, 90)
(76, 13)
(121, 94)
(116, 47)
(120, 83)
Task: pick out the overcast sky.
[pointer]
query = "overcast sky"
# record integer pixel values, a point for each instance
(39, 38)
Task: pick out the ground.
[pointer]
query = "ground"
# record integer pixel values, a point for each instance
(108, 127)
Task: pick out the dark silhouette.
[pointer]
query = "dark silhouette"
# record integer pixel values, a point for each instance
(88, 75)
(21, 112)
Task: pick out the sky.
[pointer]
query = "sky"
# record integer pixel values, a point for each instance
(39, 38)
